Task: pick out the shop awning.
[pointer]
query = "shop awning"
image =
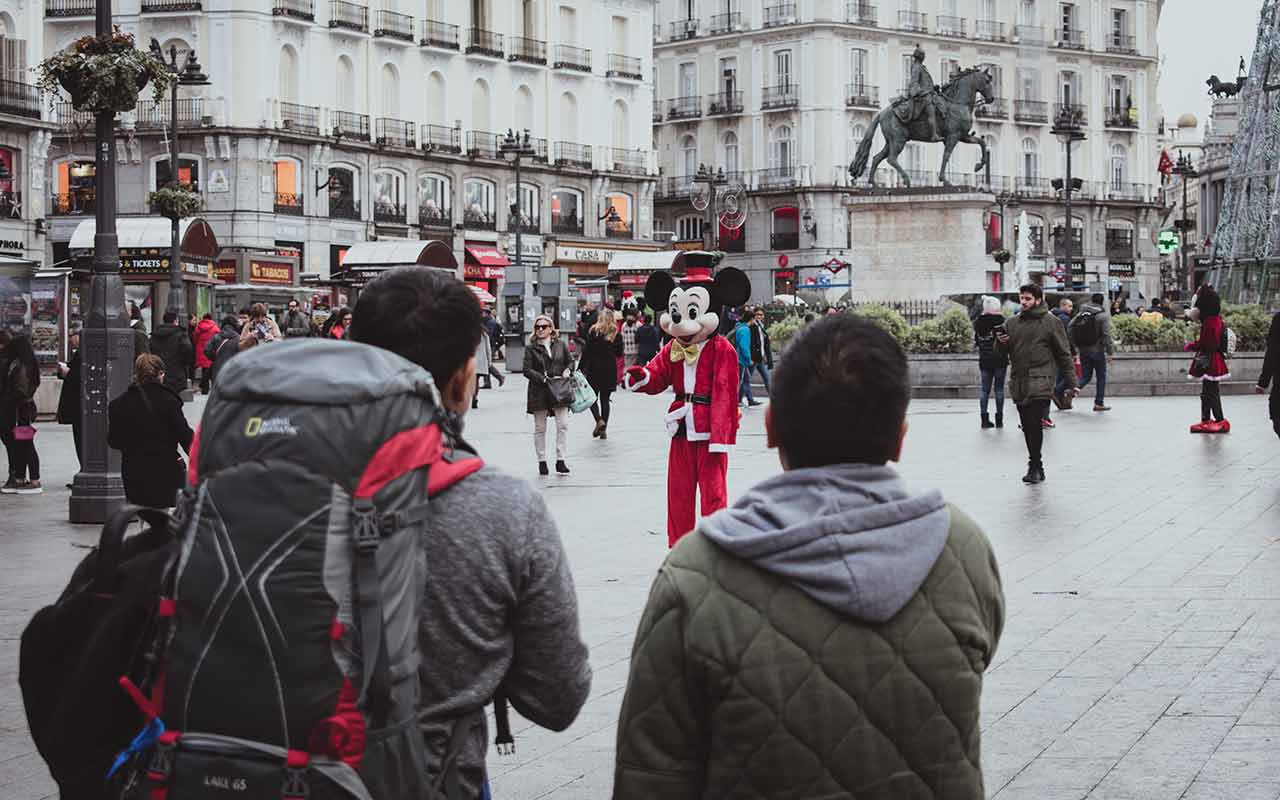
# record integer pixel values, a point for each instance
(11, 267)
(142, 233)
(486, 256)
(647, 261)
(388, 253)
(482, 295)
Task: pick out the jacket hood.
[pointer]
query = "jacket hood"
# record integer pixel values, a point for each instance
(1035, 311)
(206, 325)
(166, 330)
(983, 324)
(849, 535)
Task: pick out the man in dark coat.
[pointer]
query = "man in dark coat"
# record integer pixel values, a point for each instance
(173, 344)
(141, 344)
(69, 400)
(147, 426)
(294, 323)
(223, 345)
(1271, 369)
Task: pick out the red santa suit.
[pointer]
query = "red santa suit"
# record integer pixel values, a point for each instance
(703, 424)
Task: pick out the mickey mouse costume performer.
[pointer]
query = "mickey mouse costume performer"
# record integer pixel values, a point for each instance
(701, 366)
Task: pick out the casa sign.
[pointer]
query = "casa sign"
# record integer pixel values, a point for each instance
(585, 255)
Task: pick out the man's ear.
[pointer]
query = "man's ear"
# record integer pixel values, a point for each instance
(456, 394)
(771, 438)
(902, 438)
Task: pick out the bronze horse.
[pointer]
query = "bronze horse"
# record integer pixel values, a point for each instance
(959, 98)
(1219, 89)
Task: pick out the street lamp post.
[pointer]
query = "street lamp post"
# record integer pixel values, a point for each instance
(1004, 200)
(514, 147)
(187, 75)
(713, 179)
(106, 341)
(1067, 127)
(1187, 171)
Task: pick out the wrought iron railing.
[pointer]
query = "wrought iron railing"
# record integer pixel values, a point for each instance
(684, 29)
(621, 66)
(527, 51)
(1119, 245)
(913, 21)
(570, 224)
(675, 186)
(344, 207)
(776, 177)
(860, 13)
(350, 125)
(439, 34)
(288, 203)
(393, 25)
(781, 14)
(441, 139)
(482, 144)
(1137, 192)
(149, 6)
(998, 108)
(574, 58)
(570, 154)
(1070, 115)
(628, 162)
(529, 224)
(295, 9)
(304, 119)
(724, 103)
(684, 107)
(785, 95)
(1030, 34)
(150, 114)
(725, 23)
(479, 220)
(429, 217)
(1121, 43)
(861, 95)
(658, 114)
(951, 26)
(1122, 117)
(391, 213)
(989, 30)
(69, 8)
(394, 133)
(485, 43)
(1036, 111)
(1070, 38)
(349, 16)
(19, 99)
(67, 117)
(618, 230)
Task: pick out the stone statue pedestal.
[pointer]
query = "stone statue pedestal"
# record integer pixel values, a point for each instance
(919, 244)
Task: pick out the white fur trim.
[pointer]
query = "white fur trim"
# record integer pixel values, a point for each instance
(720, 448)
(1214, 378)
(631, 387)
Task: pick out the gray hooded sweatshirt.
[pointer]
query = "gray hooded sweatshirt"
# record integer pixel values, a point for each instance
(848, 535)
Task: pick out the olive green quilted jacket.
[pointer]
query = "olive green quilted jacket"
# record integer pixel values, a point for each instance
(742, 686)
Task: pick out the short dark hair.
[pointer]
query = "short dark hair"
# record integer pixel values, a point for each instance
(1032, 289)
(170, 315)
(1096, 298)
(232, 320)
(841, 394)
(208, 315)
(427, 316)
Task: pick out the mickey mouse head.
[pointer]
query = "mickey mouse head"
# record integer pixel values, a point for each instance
(691, 315)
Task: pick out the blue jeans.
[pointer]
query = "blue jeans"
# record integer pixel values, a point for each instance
(992, 378)
(1089, 363)
(763, 369)
(744, 384)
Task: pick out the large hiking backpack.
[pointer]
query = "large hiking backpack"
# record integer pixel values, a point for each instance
(290, 661)
(1086, 329)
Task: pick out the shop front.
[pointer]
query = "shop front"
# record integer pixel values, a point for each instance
(629, 271)
(484, 267)
(365, 261)
(253, 277)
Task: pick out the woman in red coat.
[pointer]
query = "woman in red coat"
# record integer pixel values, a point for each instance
(206, 329)
(1209, 364)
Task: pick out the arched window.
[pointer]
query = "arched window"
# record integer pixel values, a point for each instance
(689, 228)
(437, 99)
(688, 156)
(76, 185)
(288, 74)
(478, 200)
(524, 109)
(1120, 245)
(782, 150)
(288, 186)
(344, 192)
(529, 213)
(786, 228)
(345, 85)
(566, 211)
(568, 117)
(731, 157)
(1119, 166)
(390, 91)
(188, 171)
(389, 196)
(435, 200)
(1030, 167)
(621, 125)
(623, 207)
(480, 106)
(1034, 234)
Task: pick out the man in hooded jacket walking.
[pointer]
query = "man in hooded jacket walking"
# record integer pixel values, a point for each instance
(172, 343)
(827, 634)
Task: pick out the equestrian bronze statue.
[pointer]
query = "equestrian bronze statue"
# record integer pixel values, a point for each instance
(928, 114)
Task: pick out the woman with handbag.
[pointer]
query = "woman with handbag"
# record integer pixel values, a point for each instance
(147, 426)
(18, 416)
(547, 365)
(1209, 365)
(599, 364)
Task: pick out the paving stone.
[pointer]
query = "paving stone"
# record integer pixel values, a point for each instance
(1247, 755)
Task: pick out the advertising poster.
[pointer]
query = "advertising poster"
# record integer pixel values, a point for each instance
(15, 299)
(46, 318)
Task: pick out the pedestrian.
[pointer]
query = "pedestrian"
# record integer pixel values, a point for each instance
(761, 348)
(260, 325)
(147, 426)
(296, 324)
(339, 321)
(547, 357)
(499, 610)
(827, 634)
(1209, 365)
(741, 338)
(1270, 370)
(206, 329)
(69, 407)
(648, 342)
(223, 345)
(18, 415)
(992, 364)
(1036, 345)
(1066, 380)
(171, 343)
(494, 330)
(1091, 335)
(630, 350)
(486, 372)
(599, 364)
(141, 344)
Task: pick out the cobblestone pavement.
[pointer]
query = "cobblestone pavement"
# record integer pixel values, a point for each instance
(1139, 657)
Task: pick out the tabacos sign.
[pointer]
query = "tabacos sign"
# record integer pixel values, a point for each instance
(271, 272)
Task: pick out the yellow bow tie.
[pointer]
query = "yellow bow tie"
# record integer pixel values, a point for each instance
(688, 354)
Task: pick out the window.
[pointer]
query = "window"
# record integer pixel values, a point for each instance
(950, 66)
(434, 199)
(987, 9)
(529, 212)
(568, 25)
(437, 100)
(858, 69)
(997, 78)
(729, 75)
(621, 125)
(619, 25)
(478, 202)
(346, 84)
(689, 228)
(731, 159)
(689, 156)
(288, 185)
(622, 206)
(1119, 28)
(950, 8)
(906, 72)
(687, 79)
(785, 233)
(1028, 84)
(288, 77)
(1068, 20)
(480, 106)
(188, 173)
(344, 192)
(1030, 161)
(913, 158)
(1069, 88)
(781, 149)
(1119, 166)
(566, 211)
(1120, 95)
(857, 132)
(76, 187)
(1035, 233)
(13, 57)
(390, 91)
(782, 68)
(1027, 12)
(388, 194)
(524, 109)
(568, 117)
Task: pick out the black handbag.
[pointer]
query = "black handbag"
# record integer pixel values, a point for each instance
(562, 391)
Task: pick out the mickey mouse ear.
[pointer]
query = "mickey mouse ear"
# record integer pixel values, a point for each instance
(732, 287)
(658, 289)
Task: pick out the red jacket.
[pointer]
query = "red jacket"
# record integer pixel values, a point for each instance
(206, 329)
(715, 376)
(1210, 341)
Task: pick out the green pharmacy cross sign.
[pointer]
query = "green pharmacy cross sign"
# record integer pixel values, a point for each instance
(1167, 242)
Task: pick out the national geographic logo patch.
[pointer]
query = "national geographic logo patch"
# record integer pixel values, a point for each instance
(276, 426)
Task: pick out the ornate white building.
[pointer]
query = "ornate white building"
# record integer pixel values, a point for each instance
(24, 138)
(779, 93)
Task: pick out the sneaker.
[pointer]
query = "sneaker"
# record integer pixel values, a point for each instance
(10, 487)
(1097, 407)
(754, 403)
(30, 487)
(1047, 423)
(1200, 427)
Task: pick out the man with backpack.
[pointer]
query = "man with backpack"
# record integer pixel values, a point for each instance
(1091, 336)
(219, 349)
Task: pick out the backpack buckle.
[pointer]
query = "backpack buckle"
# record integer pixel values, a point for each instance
(161, 763)
(366, 526)
(295, 784)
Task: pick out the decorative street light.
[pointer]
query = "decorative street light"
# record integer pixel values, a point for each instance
(1187, 171)
(1069, 127)
(188, 75)
(514, 147)
(713, 180)
(1004, 200)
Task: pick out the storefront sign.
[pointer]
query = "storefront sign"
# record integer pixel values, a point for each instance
(588, 255)
(13, 244)
(479, 272)
(225, 271)
(695, 244)
(1122, 270)
(531, 250)
(158, 265)
(272, 272)
(633, 280)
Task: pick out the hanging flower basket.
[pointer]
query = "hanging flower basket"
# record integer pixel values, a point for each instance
(1001, 257)
(175, 201)
(103, 74)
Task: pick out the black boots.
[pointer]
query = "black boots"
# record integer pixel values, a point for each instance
(1035, 474)
(542, 468)
(562, 468)
(986, 421)
(999, 419)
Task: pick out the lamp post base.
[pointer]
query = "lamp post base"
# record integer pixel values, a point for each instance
(95, 497)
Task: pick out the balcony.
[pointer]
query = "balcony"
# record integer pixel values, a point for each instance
(858, 13)
(68, 118)
(1030, 34)
(860, 95)
(779, 15)
(288, 204)
(569, 154)
(304, 10)
(484, 43)
(20, 99)
(1120, 246)
(481, 144)
(723, 104)
(675, 187)
(684, 29)
(572, 58)
(390, 213)
(69, 8)
(784, 241)
(1122, 117)
(1122, 43)
(777, 178)
(619, 230)
(526, 225)
(150, 115)
(998, 108)
(1070, 38)
(684, 108)
(480, 220)
(540, 149)
(344, 207)
(394, 133)
(348, 16)
(73, 203)
(1069, 115)
(1031, 111)
(913, 21)
(161, 6)
(621, 66)
(786, 95)
(439, 34)
(1032, 186)
(989, 30)
(394, 26)
(567, 224)
(725, 23)
(431, 217)
(628, 162)
(300, 118)
(352, 126)
(951, 26)
(441, 139)
(527, 51)
(1134, 192)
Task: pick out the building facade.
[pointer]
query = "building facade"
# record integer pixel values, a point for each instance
(24, 136)
(779, 93)
(327, 123)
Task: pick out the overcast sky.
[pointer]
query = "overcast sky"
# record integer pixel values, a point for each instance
(1199, 39)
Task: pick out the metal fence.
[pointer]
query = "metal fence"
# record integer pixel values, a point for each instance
(913, 311)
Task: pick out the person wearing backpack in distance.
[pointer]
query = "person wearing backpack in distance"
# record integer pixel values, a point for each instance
(1091, 335)
(1271, 369)
(1209, 365)
(827, 634)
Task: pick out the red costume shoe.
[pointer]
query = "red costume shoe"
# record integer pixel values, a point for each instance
(1200, 427)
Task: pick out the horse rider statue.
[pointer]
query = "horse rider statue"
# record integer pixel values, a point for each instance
(922, 99)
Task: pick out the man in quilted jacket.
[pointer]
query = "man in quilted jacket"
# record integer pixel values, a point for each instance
(827, 634)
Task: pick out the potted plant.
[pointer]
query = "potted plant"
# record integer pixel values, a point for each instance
(175, 201)
(1001, 256)
(103, 74)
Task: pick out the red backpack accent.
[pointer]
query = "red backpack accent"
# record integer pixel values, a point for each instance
(193, 473)
(404, 452)
(446, 472)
